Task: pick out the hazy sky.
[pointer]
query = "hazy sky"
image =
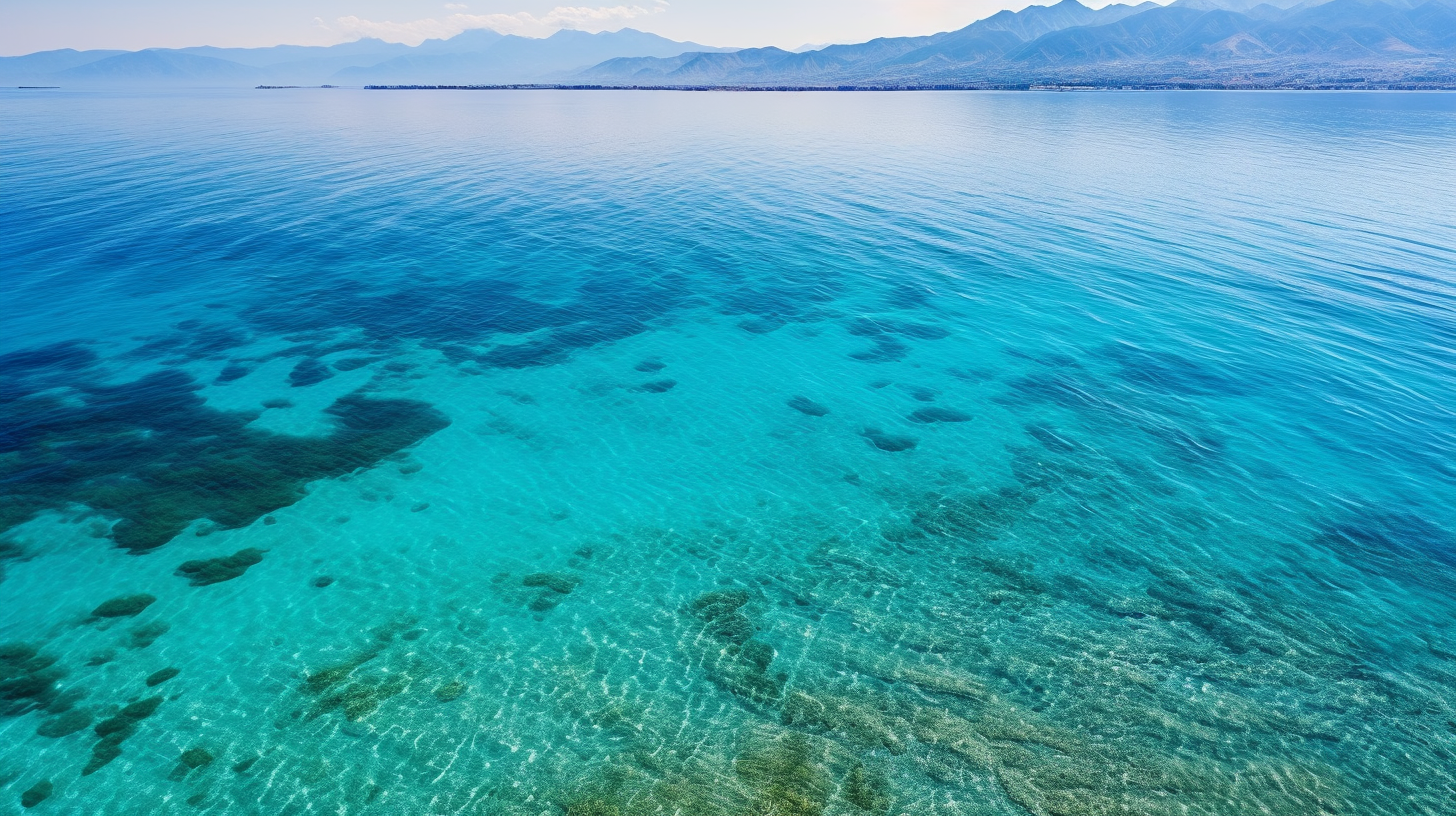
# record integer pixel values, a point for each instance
(35, 25)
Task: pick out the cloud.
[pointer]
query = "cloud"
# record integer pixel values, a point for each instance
(521, 23)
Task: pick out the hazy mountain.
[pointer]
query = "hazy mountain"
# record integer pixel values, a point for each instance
(1216, 43)
(512, 59)
(1195, 42)
(989, 37)
(159, 66)
(472, 57)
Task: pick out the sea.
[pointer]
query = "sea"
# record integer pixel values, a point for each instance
(572, 453)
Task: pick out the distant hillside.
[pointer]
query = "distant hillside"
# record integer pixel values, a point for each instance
(512, 59)
(1218, 43)
(1190, 43)
(476, 56)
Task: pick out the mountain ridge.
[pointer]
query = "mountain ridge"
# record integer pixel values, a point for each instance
(476, 55)
(1188, 43)
(1192, 43)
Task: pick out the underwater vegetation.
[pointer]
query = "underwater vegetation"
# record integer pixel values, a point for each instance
(458, 314)
(28, 680)
(738, 663)
(151, 454)
(146, 634)
(208, 571)
(125, 606)
(553, 585)
(116, 730)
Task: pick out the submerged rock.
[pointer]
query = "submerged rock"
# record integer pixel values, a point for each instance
(359, 700)
(329, 676)
(37, 793)
(196, 757)
(322, 581)
(894, 443)
(159, 677)
(205, 572)
(656, 386)
(449, 691)
(27, 679)
(719, 602)
(103, 753)
(147, 634)
(127, 719)
(125, 606)
(804, 405)
(65, 724)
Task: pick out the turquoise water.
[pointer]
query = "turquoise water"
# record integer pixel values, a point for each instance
(723, 454)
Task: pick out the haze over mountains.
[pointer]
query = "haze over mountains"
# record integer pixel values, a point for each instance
(1218, 43)
(475, 56)
(1191, 42)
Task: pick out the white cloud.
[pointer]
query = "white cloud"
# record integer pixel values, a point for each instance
(521, 23)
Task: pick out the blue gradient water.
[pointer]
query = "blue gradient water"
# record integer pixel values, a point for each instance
(618, 453)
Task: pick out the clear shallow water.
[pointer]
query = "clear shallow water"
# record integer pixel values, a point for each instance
(1119, 479)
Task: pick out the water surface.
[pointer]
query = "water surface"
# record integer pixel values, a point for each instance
(715, 454)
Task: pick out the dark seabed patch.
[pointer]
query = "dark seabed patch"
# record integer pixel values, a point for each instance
(1395, 544)
(929, 415)
(208, 571)
(457, 314)
(762, 325)
(1171, 372)
(893, 443)
(152, 454)
(650, 366)
(28, 680)
(656, 386)
(804, 405)
(308, 372)
(161, 676)
(66, 723)
(353, 363)
(124, 606)
(884, 350)
(37, 793)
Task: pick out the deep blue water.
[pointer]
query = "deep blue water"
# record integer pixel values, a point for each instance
(534, 453)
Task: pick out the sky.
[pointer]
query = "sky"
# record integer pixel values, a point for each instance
(27, 26)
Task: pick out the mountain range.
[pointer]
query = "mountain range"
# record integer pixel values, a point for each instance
(474, 56)
(1218, 43)
(1189, 43)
